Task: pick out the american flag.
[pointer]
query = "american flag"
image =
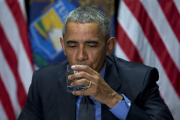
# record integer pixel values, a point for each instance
(148, 31)
(15, 59)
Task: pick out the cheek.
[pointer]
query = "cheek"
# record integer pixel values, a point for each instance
(97, 58)
(70, 56)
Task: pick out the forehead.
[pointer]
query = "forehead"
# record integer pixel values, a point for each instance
(82, 29)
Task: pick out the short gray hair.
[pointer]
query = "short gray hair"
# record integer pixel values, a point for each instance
(87, 14)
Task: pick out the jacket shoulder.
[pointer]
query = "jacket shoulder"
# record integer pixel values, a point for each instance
(120, 63)
(135, 74)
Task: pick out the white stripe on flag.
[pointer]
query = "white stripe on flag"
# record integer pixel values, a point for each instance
(119, 52)
(168, 93)
(169, 39)
(2, 113)
(177, 3)
(9, 82)
(12, 33)
(22, 6)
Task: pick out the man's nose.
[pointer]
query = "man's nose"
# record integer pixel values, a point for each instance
(81, 54)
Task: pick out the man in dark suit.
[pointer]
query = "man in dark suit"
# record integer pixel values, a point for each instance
(118, 89)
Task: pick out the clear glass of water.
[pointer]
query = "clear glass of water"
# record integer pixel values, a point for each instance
(69, 88)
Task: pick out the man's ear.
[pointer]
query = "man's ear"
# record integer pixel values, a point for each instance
(62, 44)
(110, 45)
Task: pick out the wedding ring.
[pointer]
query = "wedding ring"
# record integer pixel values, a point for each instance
(89, 84)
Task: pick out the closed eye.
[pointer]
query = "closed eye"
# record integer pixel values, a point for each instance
(72, 45)
(92, 45)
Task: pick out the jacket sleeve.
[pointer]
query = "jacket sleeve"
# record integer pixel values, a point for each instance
(32, 110)
(149, 105)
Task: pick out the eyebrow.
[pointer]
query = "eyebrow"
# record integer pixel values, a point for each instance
(71, 41)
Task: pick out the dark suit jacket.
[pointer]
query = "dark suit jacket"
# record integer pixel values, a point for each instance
(48, 98)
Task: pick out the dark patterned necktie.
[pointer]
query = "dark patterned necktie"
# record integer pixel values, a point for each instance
(86, 109)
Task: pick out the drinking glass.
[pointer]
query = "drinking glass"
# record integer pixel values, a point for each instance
(69, 88)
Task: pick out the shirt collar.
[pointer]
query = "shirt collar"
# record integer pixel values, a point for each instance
(103, 71)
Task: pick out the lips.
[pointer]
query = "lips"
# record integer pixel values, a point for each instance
(84, 63)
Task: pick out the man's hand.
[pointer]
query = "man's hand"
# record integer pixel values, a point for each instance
(99, 89)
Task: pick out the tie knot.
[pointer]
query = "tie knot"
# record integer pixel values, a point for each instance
(88, 100)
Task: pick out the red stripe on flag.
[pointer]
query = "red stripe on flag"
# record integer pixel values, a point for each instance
(13, 63)
(172, 15)
(127, 46)
(22, 25)
(6, 103)
(154, 39)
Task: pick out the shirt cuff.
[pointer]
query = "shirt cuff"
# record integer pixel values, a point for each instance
(122, 108)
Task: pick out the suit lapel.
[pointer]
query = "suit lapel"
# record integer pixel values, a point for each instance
(66, 102)
(112, 79)
(111, 76)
